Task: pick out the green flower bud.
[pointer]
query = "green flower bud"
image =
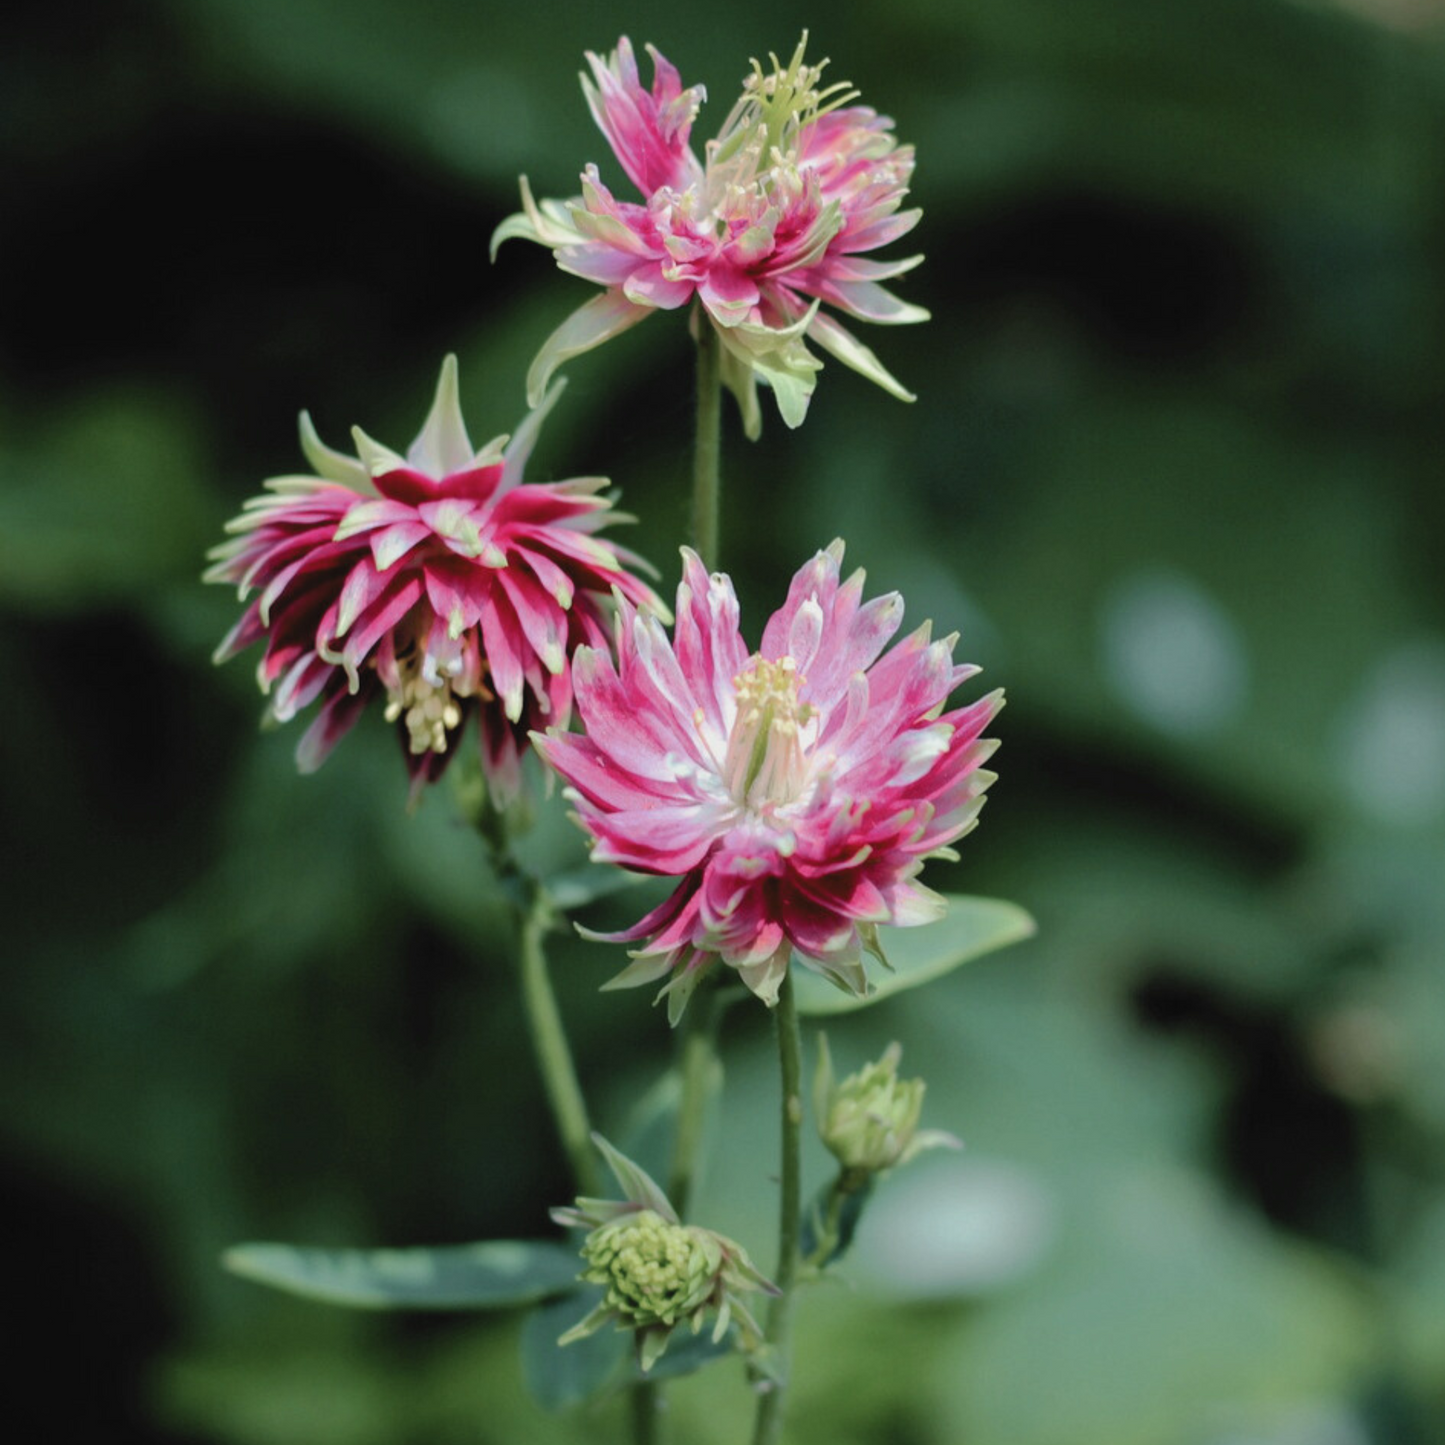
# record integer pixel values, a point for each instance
(869, 1121)
(656, 1271)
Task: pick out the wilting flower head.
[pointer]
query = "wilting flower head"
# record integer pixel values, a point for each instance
(439, 581)
(794, 791)
(869, 1121)
(657, 1271)
(796, 187)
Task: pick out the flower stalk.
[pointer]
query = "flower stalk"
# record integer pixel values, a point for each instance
(533, 914)
(697, 1047)
(769, 1419)
(707, 447)
(549, 1042)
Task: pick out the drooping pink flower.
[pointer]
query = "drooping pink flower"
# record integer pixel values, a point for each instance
(439, 582)
(796, 188)
(794, 791)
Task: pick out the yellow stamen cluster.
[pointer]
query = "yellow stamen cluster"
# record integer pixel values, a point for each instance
(430, 706)
(765, 760)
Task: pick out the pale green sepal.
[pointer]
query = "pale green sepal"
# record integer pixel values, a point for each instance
(334, 466)
(548, 224)
(645, 968)
(847, 974)
(823, 1079)
(493, 1274)
(519, 448)
(971, 928)
(926, 1139)
(590, 1325)
(377, 459)
(681, 989)
(737, 376)
(779, 357)
(637, 1184)
(868, 932)
(588, 1213)
(560, 1378)
(442, 446)
(598, 320)
(851, 352)
(650, 1346)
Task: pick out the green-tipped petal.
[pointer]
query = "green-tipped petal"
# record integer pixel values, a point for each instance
(442, 446)
(377, 459)
(334, 466)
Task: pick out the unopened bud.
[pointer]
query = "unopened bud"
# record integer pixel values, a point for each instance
(869, 1121)
(657, 1271)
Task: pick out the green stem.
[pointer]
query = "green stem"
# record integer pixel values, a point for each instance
(647, 1412)
(559, 1078)
(698, 1070)
(549, 1041)
(707, 445)
(769, 1419)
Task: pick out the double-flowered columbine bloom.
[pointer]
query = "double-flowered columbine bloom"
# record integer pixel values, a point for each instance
(657, 1272)
(795, 791)
(776, 221)
(440, 582)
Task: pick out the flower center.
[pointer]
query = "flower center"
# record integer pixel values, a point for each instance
(775, 105)
(427, 698)
(655, 1271)
(765, 761)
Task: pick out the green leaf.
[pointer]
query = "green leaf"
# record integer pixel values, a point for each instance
(971, 928)
(558, 1376)
(577, 887)
(493, 1274)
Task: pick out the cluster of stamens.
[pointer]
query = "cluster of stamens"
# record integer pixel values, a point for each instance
(427, 700)
(777, 103)
(765, 757)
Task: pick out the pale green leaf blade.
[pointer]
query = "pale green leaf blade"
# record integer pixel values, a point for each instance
(493, 1274)
(577, 887)
(971, 928)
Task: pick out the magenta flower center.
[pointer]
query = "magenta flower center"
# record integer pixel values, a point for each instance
(766, 758)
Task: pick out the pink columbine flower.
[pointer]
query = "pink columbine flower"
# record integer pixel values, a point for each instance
(795, 189)
(439, 581)
(795, 791)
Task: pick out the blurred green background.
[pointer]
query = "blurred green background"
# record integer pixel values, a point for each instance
(1174, 476)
